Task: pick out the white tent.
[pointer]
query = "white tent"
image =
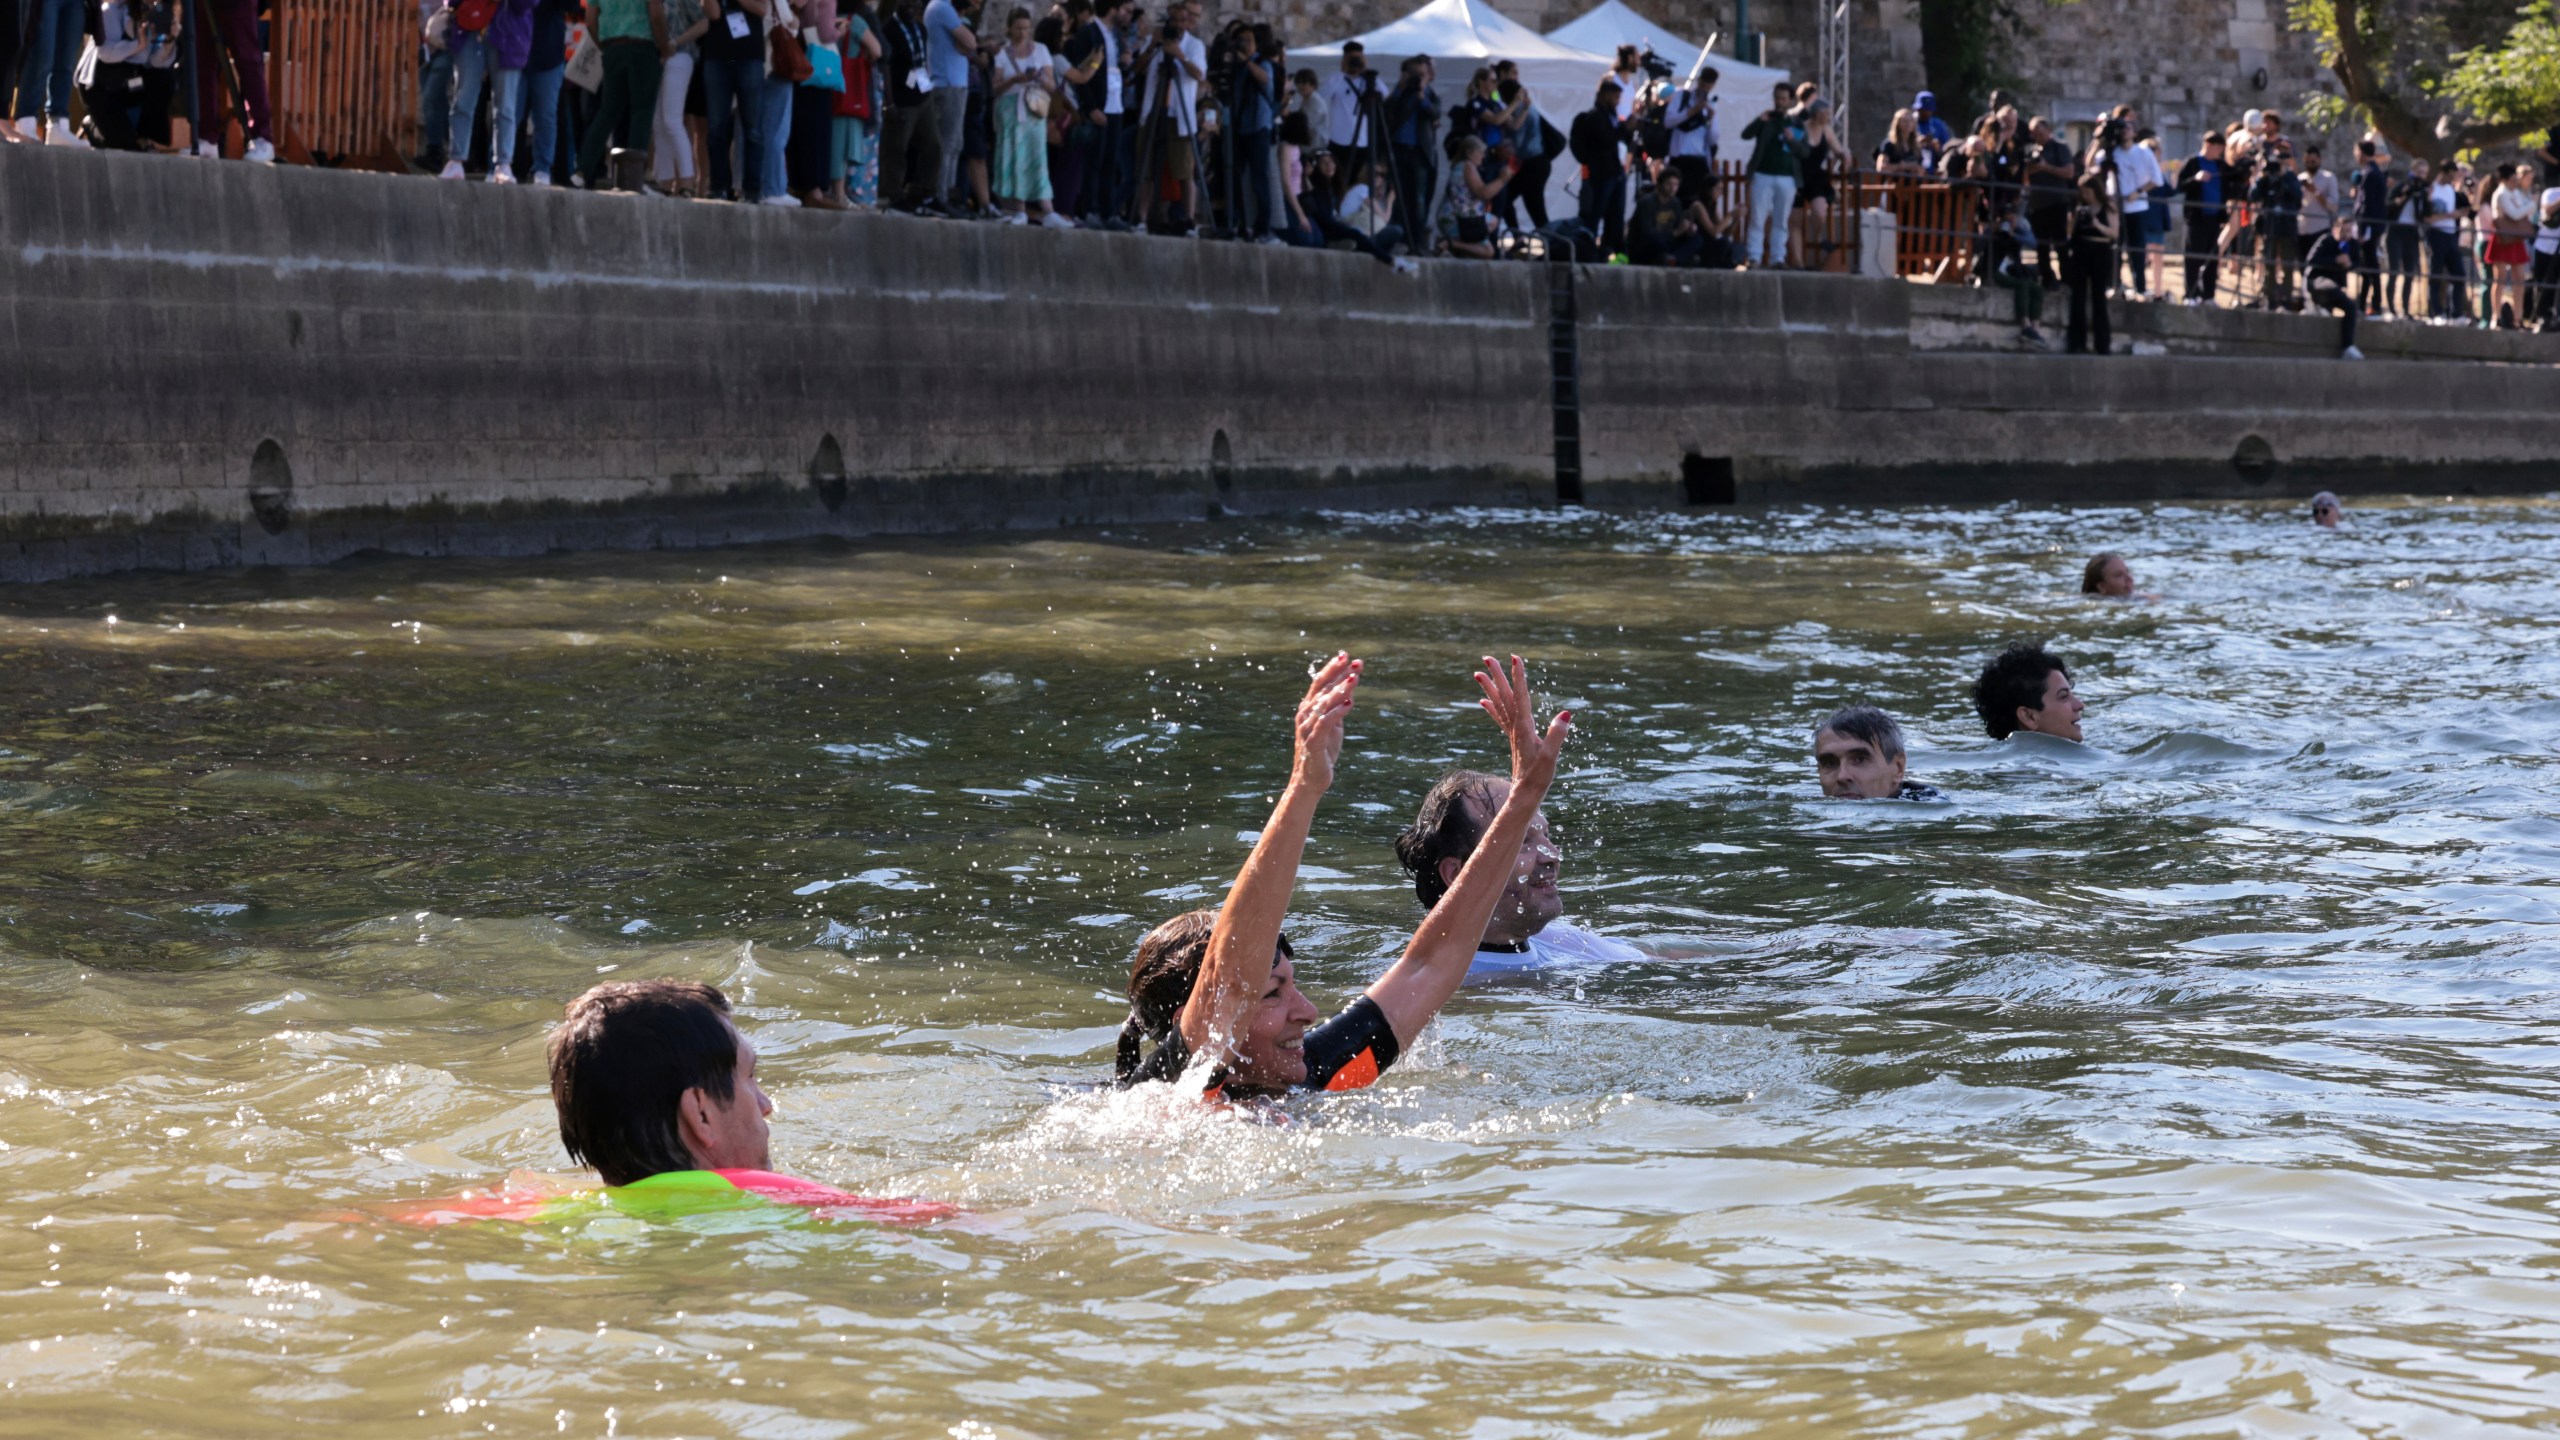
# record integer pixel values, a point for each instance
(1614, 24)
(1460, 35)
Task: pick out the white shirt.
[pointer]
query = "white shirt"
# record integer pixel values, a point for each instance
(1186, 90)
(2137, 170)
(1557, 946)
(2546, 237)
(2514, 204)
(1700, 142)
(2440, 200)
(1111, 102)
(1346, 119)
(2319, 204)
(1006, 67)
(1630, 90)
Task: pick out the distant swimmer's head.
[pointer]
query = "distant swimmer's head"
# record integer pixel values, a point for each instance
(1859, 755)
(1444, 833)
(651, 1076)
(2326, 512)
(2026, 688)
(2107, 573)
(1269, 1055)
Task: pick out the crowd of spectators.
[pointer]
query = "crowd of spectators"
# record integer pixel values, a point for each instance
(2253, 217)
(1101, 114)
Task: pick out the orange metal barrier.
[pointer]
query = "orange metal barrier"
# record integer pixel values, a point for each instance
(346, 81)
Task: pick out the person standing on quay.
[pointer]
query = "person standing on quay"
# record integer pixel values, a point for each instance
(634, 34)
(950, 44)
(52, 30)
(1023, 68)
(2088, 267)
(1777, 150)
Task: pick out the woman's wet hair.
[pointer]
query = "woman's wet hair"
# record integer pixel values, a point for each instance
(1868, 725)
(1447, 827)
(620, 1064)
(1161, 979)
(2093, 576)
(2014, 677)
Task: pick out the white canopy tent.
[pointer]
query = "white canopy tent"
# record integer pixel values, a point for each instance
(1459, 36)
(1738, 85)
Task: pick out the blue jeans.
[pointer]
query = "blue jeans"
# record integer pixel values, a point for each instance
(732, 91)
(435, 95)
(542, 99)
(777, 135)
(54, 30)
(1772, 197)
(470, 68)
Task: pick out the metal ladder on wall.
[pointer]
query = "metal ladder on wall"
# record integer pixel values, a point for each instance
(1564, 371)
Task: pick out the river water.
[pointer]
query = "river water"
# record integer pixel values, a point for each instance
(2200, 1082)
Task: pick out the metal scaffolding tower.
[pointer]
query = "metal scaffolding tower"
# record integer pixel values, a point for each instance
(1834, 67)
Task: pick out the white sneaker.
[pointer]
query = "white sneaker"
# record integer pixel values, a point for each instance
(59, 133)
(787, 202)
(260, 153)
(501, 175)
(2351, 353)
(208, 150)
(542, 177)
(1405, 266)
(1056, 221)
(1016, 217)
(452, 170)
(27, 127)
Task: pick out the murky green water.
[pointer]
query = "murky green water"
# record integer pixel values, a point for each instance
(2199, 1084)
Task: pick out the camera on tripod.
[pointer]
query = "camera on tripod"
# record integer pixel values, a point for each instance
(1653, 65)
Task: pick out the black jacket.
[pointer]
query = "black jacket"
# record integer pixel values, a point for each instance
(1594, 143)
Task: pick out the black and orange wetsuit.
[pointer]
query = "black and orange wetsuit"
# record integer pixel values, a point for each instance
(1346, 1052)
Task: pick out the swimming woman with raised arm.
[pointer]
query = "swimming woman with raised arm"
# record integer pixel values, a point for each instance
(1219, 988)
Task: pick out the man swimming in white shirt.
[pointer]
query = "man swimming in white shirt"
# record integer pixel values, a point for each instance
(1525, 932)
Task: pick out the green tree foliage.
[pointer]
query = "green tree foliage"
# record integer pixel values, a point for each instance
(1966, 49)
(2435, 79)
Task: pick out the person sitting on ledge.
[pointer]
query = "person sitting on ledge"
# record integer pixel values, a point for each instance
(1859, 755)
(1216, 992)
(1525, 930)
(2325, 511)
(656, 1088)
(2026, 688)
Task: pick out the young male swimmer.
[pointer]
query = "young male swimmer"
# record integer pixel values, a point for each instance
(656, 1087)
(1218, 989)
(2027, 688)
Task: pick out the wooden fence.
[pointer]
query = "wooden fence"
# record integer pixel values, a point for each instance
(345, 80)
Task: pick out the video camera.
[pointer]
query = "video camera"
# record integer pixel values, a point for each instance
(1653, 65)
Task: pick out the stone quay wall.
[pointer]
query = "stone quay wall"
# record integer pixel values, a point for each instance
(221, 364)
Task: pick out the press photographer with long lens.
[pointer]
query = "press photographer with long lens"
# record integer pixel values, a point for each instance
(1351, 100)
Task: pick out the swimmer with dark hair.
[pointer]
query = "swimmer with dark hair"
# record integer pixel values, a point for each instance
(1526, 930)
(2026, 688)
(656, 1087)
(1859, 755)
(1218, 991)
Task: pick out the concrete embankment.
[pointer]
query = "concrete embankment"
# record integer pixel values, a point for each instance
(223, 364)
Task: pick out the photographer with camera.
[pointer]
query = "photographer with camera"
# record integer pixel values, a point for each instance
(2277, 194)
(1537, 142)
(1777, 160)
(1255, 104)
(1690, 116)
(1351, 102)
(1412, 115)
(1170, 115)
(134, 74)
(2088, 267)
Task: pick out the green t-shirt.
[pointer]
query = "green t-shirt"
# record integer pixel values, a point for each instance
(1773, 148)
(623, 20)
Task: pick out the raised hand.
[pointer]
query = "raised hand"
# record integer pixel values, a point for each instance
(1508, 699)
(1321, 716)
